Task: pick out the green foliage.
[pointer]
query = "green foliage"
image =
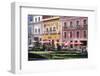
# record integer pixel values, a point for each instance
(61, 54)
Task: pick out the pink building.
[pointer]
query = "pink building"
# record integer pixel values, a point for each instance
(74, 30)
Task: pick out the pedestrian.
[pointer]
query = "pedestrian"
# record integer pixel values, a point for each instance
(58, 47)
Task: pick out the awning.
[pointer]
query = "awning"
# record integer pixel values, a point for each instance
(45, 41)
(77, 43)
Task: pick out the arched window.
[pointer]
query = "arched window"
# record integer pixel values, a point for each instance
(50, 29)
(38, 18)
(46, 29)
(77, 22)
(71, 24)
(64, 34)
(71, 35)
(65, 24)
(39, 30)
(84, 33)
(54, 28)
(35, 19)
(84, 22)
(77, 34)
(35, 30)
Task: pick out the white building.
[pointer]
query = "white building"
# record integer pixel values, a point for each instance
(37, 28)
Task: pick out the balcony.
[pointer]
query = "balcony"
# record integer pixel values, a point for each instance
(65, 27)
(68, 28)
(78, 26)
(85, 26)
(52, 32)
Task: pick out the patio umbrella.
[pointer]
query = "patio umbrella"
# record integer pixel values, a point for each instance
(78, 43)
(66, 43)
(46, 41)
(71, 43)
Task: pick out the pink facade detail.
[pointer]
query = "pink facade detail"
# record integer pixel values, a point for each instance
(74, 29)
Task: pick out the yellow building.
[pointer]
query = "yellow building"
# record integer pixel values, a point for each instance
(51, 29)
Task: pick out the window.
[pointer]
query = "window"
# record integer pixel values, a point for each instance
(64, 24)
(77, 34)
(35, 19)
(77, 22)
(71, 24)
(54, 29)
(84, 22)
(35, 30)
(50, 29)
(64, 34)
(47, 30)
(39, 19)
(38, 30)
(70, 34)
(85, 35)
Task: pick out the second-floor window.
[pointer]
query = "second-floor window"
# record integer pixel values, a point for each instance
(71, 24)
(64, 34)
(77, 34)
(71, 35)
(38, 18)
(46, 29)
(77, 24)
(39, 31)
(54, 29)
(65, 24)
(35, 19)
(50, 29)
(84, 33)
(35, 30)
(84, 22)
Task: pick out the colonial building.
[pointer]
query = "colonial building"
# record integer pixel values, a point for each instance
(51, 28)
(70, 29)
(37, 28)
(74, 30)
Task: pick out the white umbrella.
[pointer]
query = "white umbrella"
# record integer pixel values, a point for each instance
(66, 43)
(46, 41)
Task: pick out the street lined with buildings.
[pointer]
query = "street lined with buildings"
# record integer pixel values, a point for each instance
(57, 37)
(63, 29)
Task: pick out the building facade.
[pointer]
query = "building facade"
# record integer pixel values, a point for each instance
(71, 29)
(74, 30)
(37, 28)
(51, 29)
